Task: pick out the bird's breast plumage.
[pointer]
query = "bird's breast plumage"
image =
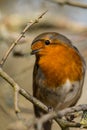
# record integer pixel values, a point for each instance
(59, 64)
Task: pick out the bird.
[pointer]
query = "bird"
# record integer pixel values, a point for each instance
(58, 73)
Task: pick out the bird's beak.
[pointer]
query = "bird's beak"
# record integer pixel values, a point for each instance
(37, 46)
(34, 51)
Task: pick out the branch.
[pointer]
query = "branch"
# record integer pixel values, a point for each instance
(63, 123)
(58, 117)
(71, 3)
(24, 93)
(28, 26)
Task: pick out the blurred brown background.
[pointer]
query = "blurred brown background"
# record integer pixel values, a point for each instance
(68, 20)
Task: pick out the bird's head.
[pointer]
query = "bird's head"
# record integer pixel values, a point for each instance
(46, 42)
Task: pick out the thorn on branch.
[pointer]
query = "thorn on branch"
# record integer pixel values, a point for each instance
(37, 20)
(42, 14)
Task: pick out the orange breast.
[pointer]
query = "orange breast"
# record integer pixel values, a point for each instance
(60, 63)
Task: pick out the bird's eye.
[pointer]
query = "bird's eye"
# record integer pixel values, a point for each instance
(47, 42)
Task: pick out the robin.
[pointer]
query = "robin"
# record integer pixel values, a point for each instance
(58, 74)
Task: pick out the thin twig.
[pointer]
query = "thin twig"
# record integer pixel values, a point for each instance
(71, 3)
(29, 25)
(74, 109)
